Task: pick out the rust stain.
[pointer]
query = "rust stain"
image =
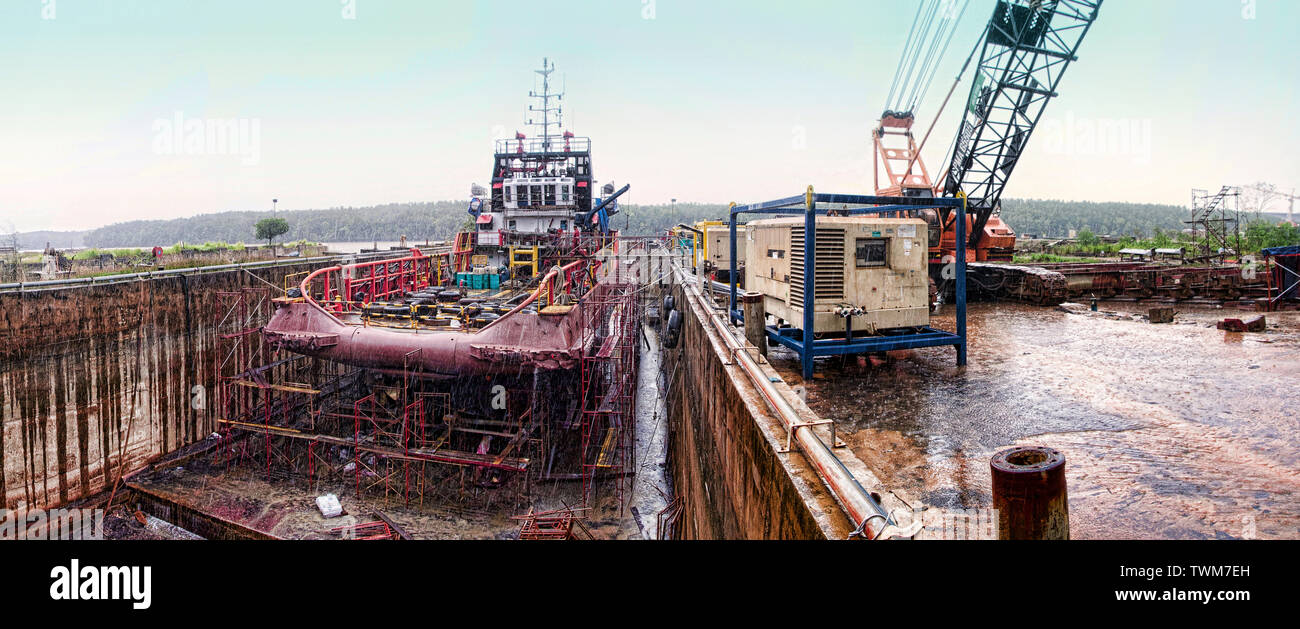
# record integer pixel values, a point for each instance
(81, 365)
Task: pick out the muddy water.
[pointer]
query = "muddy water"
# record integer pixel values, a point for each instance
(1170, 431)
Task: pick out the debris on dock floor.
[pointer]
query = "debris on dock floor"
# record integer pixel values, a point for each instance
(1172, 431)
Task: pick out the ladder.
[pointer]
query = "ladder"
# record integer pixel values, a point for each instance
(461, 251)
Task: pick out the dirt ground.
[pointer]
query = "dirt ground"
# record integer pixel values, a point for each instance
(1170, 431)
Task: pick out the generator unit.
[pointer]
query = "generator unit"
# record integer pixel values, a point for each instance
(717, 246)
(871, 274)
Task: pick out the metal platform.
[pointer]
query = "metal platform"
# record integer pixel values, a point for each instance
(851, 205)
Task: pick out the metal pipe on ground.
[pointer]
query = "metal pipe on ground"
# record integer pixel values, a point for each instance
(1029, 493)
(865, 511)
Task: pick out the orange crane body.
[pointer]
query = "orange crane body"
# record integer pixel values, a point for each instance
(897, 154)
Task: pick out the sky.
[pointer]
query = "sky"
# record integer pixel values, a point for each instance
(358, 102)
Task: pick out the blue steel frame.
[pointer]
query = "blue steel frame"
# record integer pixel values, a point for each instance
(794, 337)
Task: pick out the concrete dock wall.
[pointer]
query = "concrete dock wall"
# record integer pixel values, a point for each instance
(82, 367)
(724, 449)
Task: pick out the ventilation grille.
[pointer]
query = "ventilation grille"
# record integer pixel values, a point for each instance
(829, 268)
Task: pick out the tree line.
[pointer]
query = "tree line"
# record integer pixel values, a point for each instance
(440, 220)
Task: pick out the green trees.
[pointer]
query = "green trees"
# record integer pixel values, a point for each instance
(1049, 218)
(269, 228)
(440, 220)
(1261, 234)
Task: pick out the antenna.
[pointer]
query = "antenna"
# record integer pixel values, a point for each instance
(546, 109)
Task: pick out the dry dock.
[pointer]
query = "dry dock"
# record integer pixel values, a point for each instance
(1171, 431)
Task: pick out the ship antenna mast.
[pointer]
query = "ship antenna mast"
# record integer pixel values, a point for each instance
(546, 109)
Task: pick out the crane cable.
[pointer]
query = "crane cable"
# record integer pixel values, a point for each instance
(933, 28)
(935, 119)
(935, 69)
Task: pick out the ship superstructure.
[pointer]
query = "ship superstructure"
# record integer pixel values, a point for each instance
(542, 199)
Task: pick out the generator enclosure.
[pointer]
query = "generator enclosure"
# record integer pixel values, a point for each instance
(717, 246)
(870, 273)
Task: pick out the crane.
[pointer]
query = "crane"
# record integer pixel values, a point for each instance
(1019, 60)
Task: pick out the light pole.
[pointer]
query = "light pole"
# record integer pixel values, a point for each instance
(672, 216)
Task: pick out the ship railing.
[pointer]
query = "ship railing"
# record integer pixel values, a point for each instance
(537, 145)
(348, 288)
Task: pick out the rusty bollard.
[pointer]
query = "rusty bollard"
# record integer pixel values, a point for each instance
(1029, 493)
(755, 320)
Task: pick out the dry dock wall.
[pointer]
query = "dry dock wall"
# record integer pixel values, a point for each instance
(724, 441)
(81, 367)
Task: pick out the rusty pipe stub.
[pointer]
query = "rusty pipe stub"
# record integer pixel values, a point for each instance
(1029, 493)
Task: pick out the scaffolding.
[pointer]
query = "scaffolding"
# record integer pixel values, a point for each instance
(557, 524)
(421, 440)
(611, 345)
(1216, 218)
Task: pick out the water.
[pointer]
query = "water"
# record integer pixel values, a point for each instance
(356, 247)
(1170, 431)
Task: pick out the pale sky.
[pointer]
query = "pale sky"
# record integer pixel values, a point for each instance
(360, 102)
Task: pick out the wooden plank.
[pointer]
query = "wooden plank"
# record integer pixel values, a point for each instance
(556, 309)
(397, 528)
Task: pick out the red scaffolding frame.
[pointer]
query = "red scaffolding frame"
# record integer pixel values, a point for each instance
(392, 434)
(611, 320)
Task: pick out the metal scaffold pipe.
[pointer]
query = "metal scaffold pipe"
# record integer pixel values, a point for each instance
(867, 515)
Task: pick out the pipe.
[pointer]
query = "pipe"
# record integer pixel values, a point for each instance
(867, 515)
(585, 218)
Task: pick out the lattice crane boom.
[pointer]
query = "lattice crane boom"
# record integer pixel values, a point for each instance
(1026, 49)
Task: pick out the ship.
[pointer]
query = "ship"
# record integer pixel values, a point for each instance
(533, 248)
(517, 345)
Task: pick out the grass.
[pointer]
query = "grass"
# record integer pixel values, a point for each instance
(93, 253)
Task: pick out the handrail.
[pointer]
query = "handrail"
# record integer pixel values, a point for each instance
(123, 277)
(305, 285)
(859, 505)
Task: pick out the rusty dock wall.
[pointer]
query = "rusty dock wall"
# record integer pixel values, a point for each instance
(83, 366)
(728, 471)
